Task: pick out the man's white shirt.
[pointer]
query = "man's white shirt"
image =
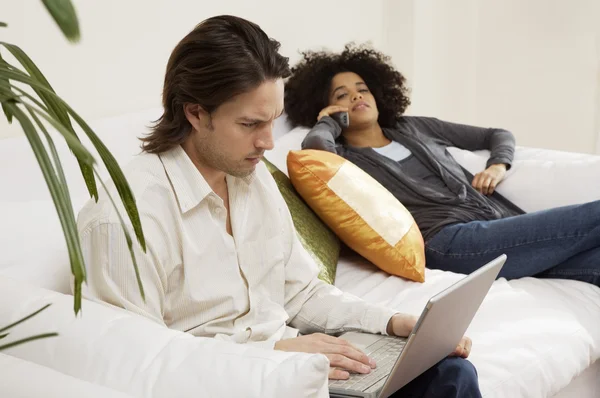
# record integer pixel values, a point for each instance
(257, 286)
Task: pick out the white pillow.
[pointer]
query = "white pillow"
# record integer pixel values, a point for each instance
(541, 179)
(126, 352)
(281, 126)
(291, 141)
(33, 243)
(23, 379)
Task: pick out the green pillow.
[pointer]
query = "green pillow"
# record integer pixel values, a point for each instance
(316, 237)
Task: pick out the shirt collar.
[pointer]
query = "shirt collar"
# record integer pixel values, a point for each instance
(188, 183)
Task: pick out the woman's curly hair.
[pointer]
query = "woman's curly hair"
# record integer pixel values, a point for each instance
(307, 90)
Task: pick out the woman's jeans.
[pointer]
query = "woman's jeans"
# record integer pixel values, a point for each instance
(563, 242)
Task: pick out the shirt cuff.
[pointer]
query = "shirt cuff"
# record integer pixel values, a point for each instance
(265, 345)
(377, 319)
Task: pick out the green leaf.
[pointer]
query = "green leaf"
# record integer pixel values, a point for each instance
(109, 161)
(6, 85)
(3, 25)
(34, 72)
(3, 335)
(12, 325)
(8, 115)
(65, 212)
(55, 108)
(66, 195)
(65, 16)
(111, 164)
(116, 174)
(30, 97)
(28, 339)
(80, 152)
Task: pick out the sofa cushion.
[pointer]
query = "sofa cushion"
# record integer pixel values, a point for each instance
(24, 379)
(33, 243)
(540, 179)
(111, 347)
(365, 216)
(318, 240)
(292, 141)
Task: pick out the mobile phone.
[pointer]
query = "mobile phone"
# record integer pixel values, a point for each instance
(342, 118)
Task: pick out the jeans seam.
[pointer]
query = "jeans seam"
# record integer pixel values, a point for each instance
(464, 254)
(572, 272)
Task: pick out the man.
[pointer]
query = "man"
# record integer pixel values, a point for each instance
(223, 259)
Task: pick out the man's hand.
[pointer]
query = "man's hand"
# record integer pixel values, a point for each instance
(486, 181)
(463, 349)
(343, 356)
(402, 324)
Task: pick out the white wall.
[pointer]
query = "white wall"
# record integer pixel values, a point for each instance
(531, 66)
(119, 64)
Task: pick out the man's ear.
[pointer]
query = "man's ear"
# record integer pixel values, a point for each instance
(197, 116)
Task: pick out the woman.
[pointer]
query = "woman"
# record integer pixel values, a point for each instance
(464, 222)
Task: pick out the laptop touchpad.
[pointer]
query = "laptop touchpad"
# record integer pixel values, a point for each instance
(361, 340)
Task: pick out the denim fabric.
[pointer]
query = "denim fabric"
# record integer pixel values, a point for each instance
(450, 378)
(563, 242)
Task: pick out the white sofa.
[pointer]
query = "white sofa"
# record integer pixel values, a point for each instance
(532, 338)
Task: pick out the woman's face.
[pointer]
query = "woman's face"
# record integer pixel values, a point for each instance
(349, 90)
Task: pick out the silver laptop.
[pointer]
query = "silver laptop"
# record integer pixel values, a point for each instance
(440, 327)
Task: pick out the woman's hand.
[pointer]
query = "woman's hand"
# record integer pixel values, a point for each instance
(486, 181)
(331, 109)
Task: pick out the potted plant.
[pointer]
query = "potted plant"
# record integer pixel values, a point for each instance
(28, 99)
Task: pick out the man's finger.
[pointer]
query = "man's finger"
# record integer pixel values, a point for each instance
(331, 339)
(464, 348)
(352, 352)
(341, 361)
(468, 345)
(342, 342)
(338, 374)
(456, 352)
(336, 345)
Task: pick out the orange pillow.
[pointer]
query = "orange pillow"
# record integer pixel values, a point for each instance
(365, 215)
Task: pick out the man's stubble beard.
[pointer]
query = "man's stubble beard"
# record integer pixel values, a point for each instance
(212, 157)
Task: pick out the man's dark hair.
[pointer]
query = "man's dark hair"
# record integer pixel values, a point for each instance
(307, 90)
(222, 57)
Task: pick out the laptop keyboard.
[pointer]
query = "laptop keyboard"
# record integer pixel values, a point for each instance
(385, 352)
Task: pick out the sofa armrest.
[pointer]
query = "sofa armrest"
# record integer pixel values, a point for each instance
(23, 379)
(111, 347)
